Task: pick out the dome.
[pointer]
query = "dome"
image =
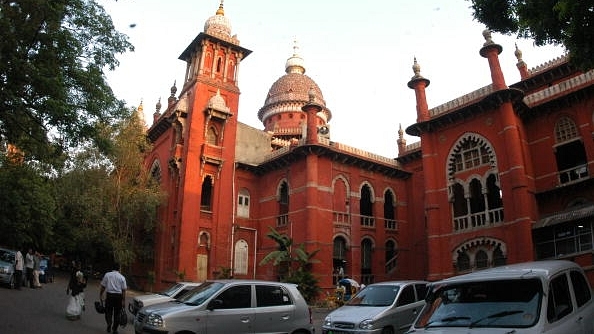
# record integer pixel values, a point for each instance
(218, 25)
(291, 91)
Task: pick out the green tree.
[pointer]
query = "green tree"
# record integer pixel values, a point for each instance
(109, 200)
(53, 92)
(294, 264)
(27, 213)
(563, 22)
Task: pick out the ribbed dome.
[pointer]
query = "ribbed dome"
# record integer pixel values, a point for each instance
(289, 93)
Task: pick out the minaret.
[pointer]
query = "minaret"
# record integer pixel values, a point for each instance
(491, 51)
(418, 83)
(521, 65)
(311, 109)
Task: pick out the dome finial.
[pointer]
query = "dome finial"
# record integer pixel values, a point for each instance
(221, 11)
(295, 63)
(518, 53)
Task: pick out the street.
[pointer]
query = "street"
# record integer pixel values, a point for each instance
(43, 310)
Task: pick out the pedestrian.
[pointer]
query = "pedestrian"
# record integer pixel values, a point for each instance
(29, 267)
(75, 288)
(114, 286)
(36, 269)
(18, 269)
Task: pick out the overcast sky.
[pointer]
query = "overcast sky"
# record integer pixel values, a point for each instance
(360, 53)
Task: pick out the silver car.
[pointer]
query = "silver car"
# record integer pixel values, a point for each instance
(175, 291)
(230, 306)
(551, 297)
(386, 308)
(7, 275)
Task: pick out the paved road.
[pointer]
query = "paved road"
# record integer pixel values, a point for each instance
(43, 311)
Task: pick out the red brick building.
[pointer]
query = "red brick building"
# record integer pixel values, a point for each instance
(500, 175)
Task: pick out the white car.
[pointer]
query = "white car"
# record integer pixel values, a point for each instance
(551, 297)
(175, 291)
(380, 308)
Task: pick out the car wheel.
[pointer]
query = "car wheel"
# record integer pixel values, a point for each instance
(387, 330)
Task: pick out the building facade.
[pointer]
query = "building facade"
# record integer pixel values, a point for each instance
(500, 175)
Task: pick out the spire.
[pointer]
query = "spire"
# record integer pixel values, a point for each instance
(171, 100)
(521, 65)
(140, 114)
(295, 63)
(401, 141)
(157, 113)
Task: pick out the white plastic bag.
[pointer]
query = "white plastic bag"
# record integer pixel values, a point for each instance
(74, 308)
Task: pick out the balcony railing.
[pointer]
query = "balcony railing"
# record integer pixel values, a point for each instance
(341, 218)
(479, 219)
(367, 221)
(390, 224)
(573, 174)
(282, 220)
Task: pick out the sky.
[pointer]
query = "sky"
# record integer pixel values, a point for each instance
(360, 53)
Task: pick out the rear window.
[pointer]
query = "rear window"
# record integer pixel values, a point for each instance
(580, 288)
(272, 295)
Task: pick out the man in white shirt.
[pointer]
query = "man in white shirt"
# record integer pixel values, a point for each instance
(18, 269)
(114, 286)
(29, 267)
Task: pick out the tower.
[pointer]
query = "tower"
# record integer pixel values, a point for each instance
(195, 138)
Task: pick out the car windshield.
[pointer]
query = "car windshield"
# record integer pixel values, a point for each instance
(375, 295)
(171, 290)
(6, 256)
(201, 293)
(505, 303)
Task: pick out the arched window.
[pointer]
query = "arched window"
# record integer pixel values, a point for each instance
(498, 257)
(366, 260)
(463, 261)
(241, 257)
(366, 206)
(212, 136)
(475, 195)
(570, 154)
(389, 212)
(477, 203)
(219, 64)
(243, 204)
(481, 259)
(283, 204)
(206, 195)
(391, 255)
(156, 172)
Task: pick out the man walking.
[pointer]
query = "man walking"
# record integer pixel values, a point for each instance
(114, 286)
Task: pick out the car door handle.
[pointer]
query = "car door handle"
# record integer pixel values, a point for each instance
(284, 317)
(245, 320)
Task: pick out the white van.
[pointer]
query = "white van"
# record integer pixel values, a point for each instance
(551, 297)
(386, 308)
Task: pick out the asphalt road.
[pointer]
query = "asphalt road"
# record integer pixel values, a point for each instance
(44, 310)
